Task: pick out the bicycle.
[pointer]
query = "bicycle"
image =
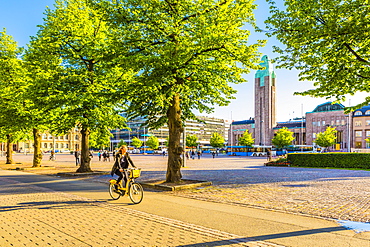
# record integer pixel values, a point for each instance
(133, 189)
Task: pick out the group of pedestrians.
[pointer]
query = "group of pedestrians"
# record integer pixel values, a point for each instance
(105, 155)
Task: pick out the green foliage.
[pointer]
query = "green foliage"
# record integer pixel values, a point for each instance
(327, 138)
(71, 66)
(121, 143)
(337, 160)
(100, 139)
(191, 141)
(217, 140)
(283, 138)
(246, 139)
(136, 142)
(194, 48)
(327, 41)
(152, 142)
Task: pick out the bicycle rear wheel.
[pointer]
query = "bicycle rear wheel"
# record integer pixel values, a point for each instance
(115, 194)
(136, 193)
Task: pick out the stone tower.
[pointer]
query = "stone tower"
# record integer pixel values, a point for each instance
(264, 103)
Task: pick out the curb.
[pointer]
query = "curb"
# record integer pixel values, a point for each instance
(160, 185)
(82, 174)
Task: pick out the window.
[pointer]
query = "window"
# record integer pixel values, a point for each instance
(50, 137)
(323, 123)
(358, 113)
(367, 112)
(66, 137)
(314, 135)
(56, 145)
(61, 145)
(367, 122)
(313, 123)
(367, 133)
(76, 137)
(67, 145)
(44, 137)
(338, 122)
(359, 133)
(318, 123)
(343, 122)
(51, 145)
(45, 145)
(358, 123)
(332, 123)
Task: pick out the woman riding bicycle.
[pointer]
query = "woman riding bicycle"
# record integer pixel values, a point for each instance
(122, 161)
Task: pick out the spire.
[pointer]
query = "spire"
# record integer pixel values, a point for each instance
(268, 69)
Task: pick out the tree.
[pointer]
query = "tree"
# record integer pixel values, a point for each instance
(152, 142)
(189, 53)
(328, 42)
(283, 138)
(191, 141)
(13, 114)
(217, 140)
(136, 142)
(246, 139)
(327, 138)
(121, 143)
(77, 76)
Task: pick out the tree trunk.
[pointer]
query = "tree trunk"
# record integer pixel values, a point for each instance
(37, 155)
(9, 149)
(85, 154)
(174, 148)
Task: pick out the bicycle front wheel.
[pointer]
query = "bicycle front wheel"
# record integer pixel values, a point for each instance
(115, 194)
(136, 193)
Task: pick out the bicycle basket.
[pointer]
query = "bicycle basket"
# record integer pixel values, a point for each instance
(135, 173)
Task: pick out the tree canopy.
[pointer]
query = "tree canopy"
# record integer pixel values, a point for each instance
(75, 73)
(152, 142)
(328, 41)
(217, 140)
(327, 138)
(188, 54)
(191, 140)
(246, 139)
(283, 138)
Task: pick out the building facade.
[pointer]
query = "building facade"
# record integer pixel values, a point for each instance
(264, 103)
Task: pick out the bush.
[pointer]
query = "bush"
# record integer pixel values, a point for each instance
(278, 162)
(336, 160)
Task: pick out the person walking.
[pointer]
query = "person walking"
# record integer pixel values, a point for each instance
(77, 157)
(99, 155)
(198, 154)
(213, 154)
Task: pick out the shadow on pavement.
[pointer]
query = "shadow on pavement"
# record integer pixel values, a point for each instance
(269, 237)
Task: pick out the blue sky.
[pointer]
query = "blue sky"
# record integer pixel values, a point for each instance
(21, 17)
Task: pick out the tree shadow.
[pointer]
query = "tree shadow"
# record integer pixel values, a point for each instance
(269, 237)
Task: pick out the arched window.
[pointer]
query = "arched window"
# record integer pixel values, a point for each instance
(367, 112)
(358, 113)
(76, 137)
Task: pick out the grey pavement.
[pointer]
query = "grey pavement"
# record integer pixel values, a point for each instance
(32, 213)
(37, 210)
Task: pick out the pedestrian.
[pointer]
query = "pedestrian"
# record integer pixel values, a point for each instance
(108, 156)
(187, 155)
(99, 155)
(213, 154)
(269, 154)
(104, 156)
(77, 156)
(114, 154)
(52, 155)
(164, 153)
(198, 154)
(192, 154)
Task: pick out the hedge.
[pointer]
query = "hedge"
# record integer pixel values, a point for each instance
(336, 160)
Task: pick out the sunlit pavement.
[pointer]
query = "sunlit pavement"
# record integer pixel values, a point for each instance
(242, 181)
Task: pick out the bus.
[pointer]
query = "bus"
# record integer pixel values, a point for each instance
(259, 151)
